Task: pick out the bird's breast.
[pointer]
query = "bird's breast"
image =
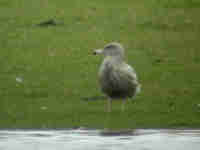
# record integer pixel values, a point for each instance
(112, 81)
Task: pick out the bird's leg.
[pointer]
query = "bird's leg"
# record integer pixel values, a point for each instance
(123, 105)
(109, 103)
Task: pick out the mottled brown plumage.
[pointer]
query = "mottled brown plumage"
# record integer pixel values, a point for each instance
(117, 79)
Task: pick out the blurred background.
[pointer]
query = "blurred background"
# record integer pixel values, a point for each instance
(48, 75)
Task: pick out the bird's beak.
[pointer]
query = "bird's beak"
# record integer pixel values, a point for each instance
(97, 51)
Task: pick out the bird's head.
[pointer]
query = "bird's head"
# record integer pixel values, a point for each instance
(112, 49)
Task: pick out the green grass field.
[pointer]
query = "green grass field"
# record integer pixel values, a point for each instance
(48, 75)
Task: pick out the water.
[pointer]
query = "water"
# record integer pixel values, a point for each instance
(82, 139)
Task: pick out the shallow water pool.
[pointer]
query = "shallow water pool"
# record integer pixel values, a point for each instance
(83, 139)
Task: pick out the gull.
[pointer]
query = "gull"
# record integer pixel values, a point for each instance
(117, 79)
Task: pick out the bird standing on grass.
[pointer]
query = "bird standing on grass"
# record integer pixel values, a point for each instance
(117, 79)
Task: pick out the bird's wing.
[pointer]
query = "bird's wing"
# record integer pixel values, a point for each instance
(125, 75)
(134, 77)
(127, 71)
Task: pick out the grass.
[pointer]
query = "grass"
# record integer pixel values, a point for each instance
(59, 72)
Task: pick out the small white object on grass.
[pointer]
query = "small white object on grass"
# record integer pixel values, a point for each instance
(19, 79)
(117, 79)
(43, 107)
